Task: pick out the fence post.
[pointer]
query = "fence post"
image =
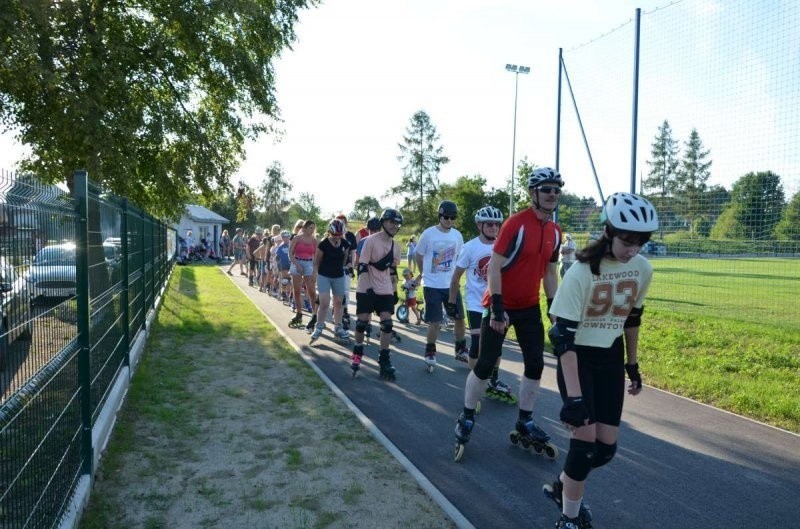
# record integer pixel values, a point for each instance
(124, 295)
(81, 189)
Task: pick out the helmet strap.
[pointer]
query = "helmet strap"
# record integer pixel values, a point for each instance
(483, 233)
(383, 225)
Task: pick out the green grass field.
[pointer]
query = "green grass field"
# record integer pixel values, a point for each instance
(727, 332)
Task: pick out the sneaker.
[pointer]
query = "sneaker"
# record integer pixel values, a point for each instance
(229, 273)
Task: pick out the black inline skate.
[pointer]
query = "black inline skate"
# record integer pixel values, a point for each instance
(567, 523)
(296, 322)
(464, 426)
(527, 434)
(499, 390)
(386, 369)
(312, 323)
(346, 321)
(554, 492)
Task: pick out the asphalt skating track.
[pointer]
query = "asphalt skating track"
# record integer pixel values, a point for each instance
(679, 465)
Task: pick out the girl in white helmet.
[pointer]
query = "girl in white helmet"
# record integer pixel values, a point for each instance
(598, 311)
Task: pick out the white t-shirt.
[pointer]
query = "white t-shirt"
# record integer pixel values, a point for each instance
(474, 259)
(602, 303)
(439, 250)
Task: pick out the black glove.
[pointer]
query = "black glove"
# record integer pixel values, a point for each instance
(633, 375)
(349, 271)
(574, 412)
(450, 309)
(498, 311)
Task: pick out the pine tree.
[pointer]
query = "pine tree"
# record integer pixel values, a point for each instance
(663, 163)
(691, 178)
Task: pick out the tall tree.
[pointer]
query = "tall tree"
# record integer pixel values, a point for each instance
(663, 163)
(422, 157)
(365, 207)
(274, 191)
(150, 97)
(758, 201)
(788, 229)
(691, 178)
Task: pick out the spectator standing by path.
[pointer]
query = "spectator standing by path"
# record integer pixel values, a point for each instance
(436, 255)
(567, 254)
(524, 257)
(411, 248)
(598, 311)
(474, 261)
(238, 244)
(375, 291)
(225, 244)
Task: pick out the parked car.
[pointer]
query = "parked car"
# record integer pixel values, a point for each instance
(52, 272)
(16, 320)
(654, 248)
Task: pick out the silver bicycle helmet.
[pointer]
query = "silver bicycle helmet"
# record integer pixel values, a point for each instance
(544, 175)
(488, 214)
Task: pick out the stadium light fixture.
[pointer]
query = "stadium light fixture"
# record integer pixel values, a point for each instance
(516, 70)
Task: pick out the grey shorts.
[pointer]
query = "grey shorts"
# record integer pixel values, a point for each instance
(331, 285)
(306, 268)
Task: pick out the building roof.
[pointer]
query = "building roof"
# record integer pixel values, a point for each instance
(199, 213)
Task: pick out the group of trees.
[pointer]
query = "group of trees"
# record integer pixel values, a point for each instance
(754, 209)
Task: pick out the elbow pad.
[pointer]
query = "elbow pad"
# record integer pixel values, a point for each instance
(634, 318)
(562, 336)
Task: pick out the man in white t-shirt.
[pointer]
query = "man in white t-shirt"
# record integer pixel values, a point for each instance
(567, 254)
(474, 260)
(436, 254)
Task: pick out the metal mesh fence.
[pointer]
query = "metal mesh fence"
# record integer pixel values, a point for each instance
(716, 151)
(58, 366)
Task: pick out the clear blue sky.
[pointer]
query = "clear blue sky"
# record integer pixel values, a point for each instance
(362, 68)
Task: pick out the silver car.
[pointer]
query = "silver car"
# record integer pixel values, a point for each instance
(52, 272)
(15, 309)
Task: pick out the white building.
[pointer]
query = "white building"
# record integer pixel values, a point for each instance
(203, 222)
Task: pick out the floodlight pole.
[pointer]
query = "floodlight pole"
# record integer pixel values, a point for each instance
(516, 69)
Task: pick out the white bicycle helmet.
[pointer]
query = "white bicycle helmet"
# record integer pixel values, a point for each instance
(629, 212)
(488, 214)
(544, 175)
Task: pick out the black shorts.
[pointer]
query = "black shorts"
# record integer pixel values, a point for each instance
(528, 326)
(601, 372)
(367, 303)
(253, 263)
(435, 298)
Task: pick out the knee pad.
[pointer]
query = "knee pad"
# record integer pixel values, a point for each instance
(579, 459)
(534, 366)
(605, 453)
(386, 326)
(361, 326)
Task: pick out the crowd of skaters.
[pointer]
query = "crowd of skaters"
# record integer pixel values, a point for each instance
(594, 315)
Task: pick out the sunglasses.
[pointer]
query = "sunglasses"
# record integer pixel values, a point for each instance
(549, 189)
(448, 217)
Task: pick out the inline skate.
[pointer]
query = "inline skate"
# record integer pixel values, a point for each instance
(499, 390)
(296, 322)
(554, 491)
(430, 357)
(386, 369)
(464, 426)
(462, 354)
(346, 321)
(527, 434)
(318, 328)
(312, 323)
(341, 336)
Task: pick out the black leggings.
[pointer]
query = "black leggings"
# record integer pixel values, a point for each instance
(601, 371)
(527, 324)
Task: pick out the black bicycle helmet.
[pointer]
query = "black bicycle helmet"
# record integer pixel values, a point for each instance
(391, 214)
(374, 224)
(449, 208)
